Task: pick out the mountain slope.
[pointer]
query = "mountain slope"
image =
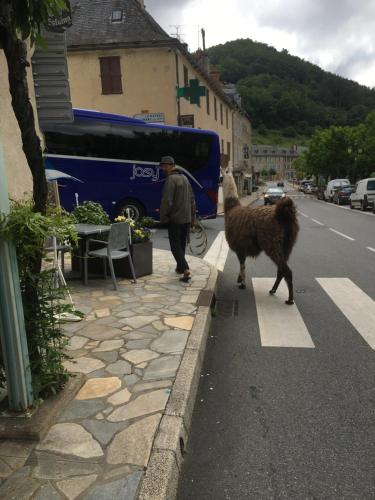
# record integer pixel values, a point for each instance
(284, 93)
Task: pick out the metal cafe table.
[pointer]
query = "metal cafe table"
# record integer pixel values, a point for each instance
(85, 232)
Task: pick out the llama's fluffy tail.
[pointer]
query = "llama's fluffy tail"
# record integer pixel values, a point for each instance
(286, 215)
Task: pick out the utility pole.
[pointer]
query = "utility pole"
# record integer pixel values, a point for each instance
(12, 324)
(203, 39)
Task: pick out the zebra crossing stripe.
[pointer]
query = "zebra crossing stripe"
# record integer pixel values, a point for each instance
(280, 325)
(218, 251)
(355, 304)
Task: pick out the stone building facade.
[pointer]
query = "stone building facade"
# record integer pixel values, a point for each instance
(19, 179)
(280, 159)
(121, 61)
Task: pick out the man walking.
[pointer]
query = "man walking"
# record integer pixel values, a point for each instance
(177, 209)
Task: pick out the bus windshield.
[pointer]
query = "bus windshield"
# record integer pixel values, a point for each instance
(116, 162)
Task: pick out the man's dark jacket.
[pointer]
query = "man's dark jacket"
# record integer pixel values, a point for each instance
(177, 202)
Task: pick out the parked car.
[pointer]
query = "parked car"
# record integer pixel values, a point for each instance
(341, 195)
(273, 194)
(310, 189)
(302, 185)
(364, 194)
(332, 185)
(320, 192)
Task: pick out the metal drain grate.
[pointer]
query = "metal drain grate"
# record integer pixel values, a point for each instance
(206, 298)
(226, 308)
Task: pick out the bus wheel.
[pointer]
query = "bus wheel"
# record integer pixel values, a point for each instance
(132, 209)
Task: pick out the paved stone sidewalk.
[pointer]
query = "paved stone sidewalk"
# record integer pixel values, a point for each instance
(140, 349)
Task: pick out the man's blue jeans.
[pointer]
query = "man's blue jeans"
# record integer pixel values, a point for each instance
(177, 234)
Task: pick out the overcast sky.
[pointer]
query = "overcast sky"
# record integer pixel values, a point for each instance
(337, 35)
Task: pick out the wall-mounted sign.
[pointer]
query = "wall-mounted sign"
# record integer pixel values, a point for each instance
(193, 92)
(60, 22)
(187, 121)
(151, 117)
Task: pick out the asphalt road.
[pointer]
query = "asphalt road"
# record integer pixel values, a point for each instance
(287, 422)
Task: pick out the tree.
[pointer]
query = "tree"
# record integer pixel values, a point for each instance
(264, 173)
(272, 172)
(22, 20)
(280, 91)
(365, 160)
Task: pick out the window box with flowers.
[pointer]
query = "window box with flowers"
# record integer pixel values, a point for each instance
(140, 249)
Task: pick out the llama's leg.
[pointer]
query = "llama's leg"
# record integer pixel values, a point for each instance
(280, 275)
(242, 276)
(289, 281)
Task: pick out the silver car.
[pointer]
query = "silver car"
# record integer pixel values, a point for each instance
(273, 194)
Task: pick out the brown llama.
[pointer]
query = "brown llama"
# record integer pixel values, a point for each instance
(249, 231)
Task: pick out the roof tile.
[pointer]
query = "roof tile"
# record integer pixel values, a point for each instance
(92, 24)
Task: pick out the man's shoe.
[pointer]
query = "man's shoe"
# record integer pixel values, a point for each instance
(186, 277)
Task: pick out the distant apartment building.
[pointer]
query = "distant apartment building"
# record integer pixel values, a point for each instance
(241, 141)
(280, 159)
(121, 61)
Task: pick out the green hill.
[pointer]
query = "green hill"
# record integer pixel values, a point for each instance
(288, 97)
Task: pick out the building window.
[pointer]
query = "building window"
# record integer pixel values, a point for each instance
(117, 16)
(110, 74)
(222, 146)
(221, 113)
(228, 150)
(226, 118)
(215, 108)
(208, 101)
(186, 77)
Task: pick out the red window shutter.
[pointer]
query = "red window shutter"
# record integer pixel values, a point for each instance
(110, 73)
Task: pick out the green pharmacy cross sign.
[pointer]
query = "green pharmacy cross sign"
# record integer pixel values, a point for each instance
(193, 92)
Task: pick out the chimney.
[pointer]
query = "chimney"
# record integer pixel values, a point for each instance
(215, 74)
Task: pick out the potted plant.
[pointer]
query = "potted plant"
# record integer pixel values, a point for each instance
(89, 212)
(140, 248)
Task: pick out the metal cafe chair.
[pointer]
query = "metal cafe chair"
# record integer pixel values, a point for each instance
(52, 245)
(117, 247)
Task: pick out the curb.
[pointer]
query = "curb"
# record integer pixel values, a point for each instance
(160, 481)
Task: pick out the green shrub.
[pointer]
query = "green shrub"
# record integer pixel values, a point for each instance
(41, 298)
(147, 222)
(90, 212)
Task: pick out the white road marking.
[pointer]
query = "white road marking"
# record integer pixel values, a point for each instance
(280, 325)
(355, 304)
(317, 222)
(303, 214)
(218, 252)
(342, 234)
(371, 249)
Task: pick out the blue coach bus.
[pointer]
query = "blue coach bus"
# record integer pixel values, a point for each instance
(114, 160)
